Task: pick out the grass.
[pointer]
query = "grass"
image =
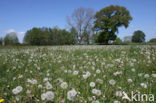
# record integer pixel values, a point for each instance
(18, 64)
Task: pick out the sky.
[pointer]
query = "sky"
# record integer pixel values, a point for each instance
(22, 15)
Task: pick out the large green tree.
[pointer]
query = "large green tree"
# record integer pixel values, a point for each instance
(11, 39)
(138, 36)
(108, 20)
(36, 36)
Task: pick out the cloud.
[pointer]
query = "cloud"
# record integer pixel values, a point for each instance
(20, 35)
(10, 30)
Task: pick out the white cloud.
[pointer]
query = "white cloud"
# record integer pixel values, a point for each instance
(20, 35)
(10, 30)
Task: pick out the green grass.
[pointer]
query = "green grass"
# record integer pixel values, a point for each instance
(53, 62)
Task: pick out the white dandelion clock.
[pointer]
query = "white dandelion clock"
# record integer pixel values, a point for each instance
(92, 84)
(64, 85)
(71, 95)
(112, 82)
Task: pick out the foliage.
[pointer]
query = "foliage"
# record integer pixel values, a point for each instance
(36, 69)
(153, 40)
(118, 41)
(1, 41)
(48, 36)
(138, 36)
(11, 39)
(108, 20)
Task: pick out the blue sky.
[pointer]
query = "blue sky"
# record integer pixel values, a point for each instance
(22, 15)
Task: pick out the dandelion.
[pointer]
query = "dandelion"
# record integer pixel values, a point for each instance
(112, 82)
(130, 80)
(143, 85)
(48, 85)
(96, 92)
(96, 101)
(49, 96)
(71, 95)
(64, 85)
(39, 86)
(75, 72)
(17, 90)
(117, 101)
(92, 84)
(154, 75)
(133, 70)
(43, 96)
(146, 76)
(98, 71)
(119, 93)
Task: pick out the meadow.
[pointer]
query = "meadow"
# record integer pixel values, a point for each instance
(77, 74)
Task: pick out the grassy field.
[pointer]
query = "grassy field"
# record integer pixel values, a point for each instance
(76, 74)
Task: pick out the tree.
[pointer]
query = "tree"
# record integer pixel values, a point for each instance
(11, 39)
(118, 41)
(128, 39)
(81, 20)
(108, 20)
(37, 36)
(138, 36)
(1, 41)
(153, 40)
(48, 36)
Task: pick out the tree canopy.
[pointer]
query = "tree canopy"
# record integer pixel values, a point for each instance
(108, 20)
(138, 36)
(11, 39)
(48, 36)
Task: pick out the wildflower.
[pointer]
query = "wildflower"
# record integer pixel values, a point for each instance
(71, 95)
(92, 84)
(112, 82)
(154, 75)
(146, 76)
(49, 96)
(96, 101)
(143, 85)
(64, 85)
(119, 93)
(17, 90)
(48, 85)
(130, 80)
(39, 86)
(96, 92)
(98, 71)
(117, 101)
(75, 72)
(133, 70)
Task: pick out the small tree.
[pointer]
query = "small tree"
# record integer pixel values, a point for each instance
(108, 20)
(1, 41)
(118, 41)
(128, 39)
(138, 36)
(153, 40)
(11, 39)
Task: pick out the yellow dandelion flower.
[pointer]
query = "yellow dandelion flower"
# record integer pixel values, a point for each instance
(1, 100)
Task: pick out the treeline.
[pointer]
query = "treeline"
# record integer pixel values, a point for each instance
(49, 36)
(85, 26)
